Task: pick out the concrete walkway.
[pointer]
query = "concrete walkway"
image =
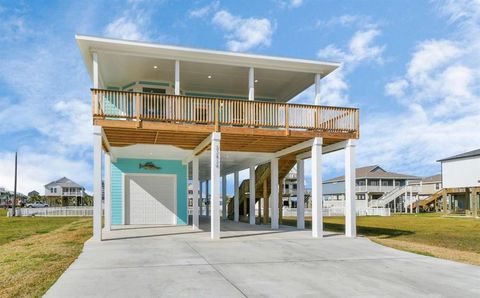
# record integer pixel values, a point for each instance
(255, 261)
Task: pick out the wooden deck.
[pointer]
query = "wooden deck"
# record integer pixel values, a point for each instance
(251, 126)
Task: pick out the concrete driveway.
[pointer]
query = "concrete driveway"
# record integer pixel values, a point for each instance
(253, 261)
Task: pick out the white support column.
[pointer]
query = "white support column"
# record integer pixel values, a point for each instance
(318, 77)
(236, 199)
(177, 77)
(350, 196)
(96, 77)
(215, 174)
(274, 193)
(207, 200)
(300, 194)
(224, 197)
(97, 183)
(411, 200)
(251, 84)
(317, 192)
(108, 194)
(251, 213)
(200, 203)
(195, 182)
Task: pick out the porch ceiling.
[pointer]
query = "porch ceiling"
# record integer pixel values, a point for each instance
(240, 142)
(123, 62)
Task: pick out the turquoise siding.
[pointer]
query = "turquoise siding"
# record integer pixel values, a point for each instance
(125, 166)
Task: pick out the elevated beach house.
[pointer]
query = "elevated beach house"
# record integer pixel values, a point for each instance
(64, 192)
(163, 115)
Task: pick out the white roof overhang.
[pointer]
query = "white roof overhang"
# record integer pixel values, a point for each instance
(122, 62)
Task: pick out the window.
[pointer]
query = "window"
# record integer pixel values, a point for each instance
(154, 90)
(437, 186)
(360, 182)
(294, 186)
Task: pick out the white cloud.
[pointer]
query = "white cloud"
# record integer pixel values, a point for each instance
(289, 3)
(133, 24)
(361, 48)
(396, 88)
(244, 34)
(347, 20)
(204, 10)
(47, 118)
(440, 92)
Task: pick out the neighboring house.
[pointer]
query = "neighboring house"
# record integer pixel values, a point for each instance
(161, 112)
(6, 198)
(290, 186)
(64, 192)
(372, 183)
(427, 186)
(33, 194)
(461, 183)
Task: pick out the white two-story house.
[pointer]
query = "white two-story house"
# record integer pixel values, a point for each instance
(165, 115)
(64, 192)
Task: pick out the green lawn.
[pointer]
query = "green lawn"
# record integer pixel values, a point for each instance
(35, 251)
(431, 234)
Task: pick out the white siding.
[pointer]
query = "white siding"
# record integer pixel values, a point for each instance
(463, 172)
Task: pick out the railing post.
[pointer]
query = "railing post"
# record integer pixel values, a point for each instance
(316, 115)
(137, 108)
(357, 123)
(287, 124)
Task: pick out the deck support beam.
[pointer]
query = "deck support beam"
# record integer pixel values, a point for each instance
(177, 77)
(317, 200)
(251, 83)
(318, 78)
(207, 201)
(251, 212)
(274, 192)
(300, 194)
(195, 182)
(108, 194)
(200, 203)
(97, 183)
(215, 176)
(350, 196)
(236, 199)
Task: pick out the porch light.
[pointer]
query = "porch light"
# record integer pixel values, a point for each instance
(209, 76)
(256, 81)
(155, 67)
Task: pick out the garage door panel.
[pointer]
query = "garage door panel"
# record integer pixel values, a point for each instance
(151, 199)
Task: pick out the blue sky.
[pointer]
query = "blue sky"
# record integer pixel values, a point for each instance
(412, 67)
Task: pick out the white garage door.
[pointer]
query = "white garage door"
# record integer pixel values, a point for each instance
(150, 199)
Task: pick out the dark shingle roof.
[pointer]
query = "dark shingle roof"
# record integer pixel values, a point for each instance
(375, 172)
(434, 178)
(463, 155)
(64, 182)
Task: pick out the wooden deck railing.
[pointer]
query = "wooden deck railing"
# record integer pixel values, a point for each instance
(174, 108)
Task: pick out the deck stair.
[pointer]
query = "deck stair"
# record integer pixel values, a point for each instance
(388, 197)
(262, 174)
(425, 202)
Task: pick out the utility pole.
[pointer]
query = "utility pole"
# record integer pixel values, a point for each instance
(15, 187)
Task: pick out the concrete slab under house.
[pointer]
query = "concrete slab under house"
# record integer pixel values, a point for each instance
(166, 115)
